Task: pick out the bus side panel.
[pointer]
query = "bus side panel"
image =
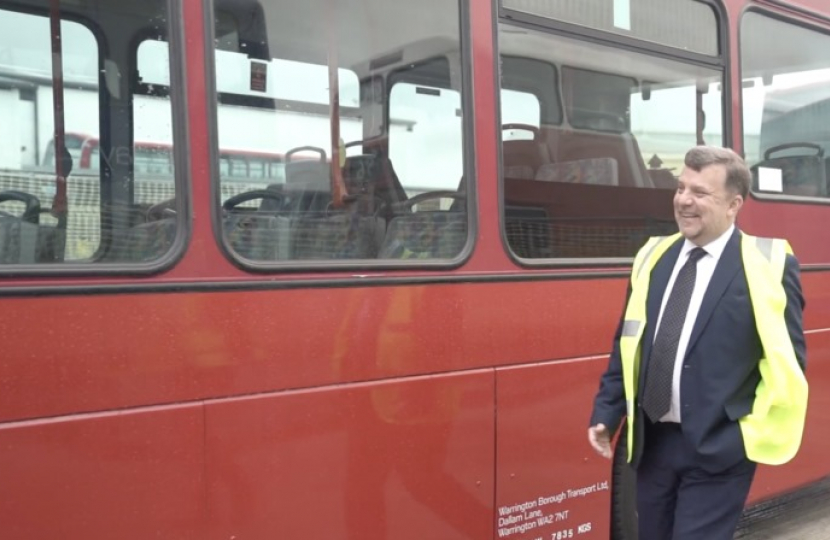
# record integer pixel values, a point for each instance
(795, 222)
(132, 475)
(160, 348)
(815, 445)
(404, 459)
(551, 484)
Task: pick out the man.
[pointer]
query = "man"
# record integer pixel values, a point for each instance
(711, 382)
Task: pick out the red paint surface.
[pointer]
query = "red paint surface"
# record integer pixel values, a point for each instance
(543, 459)
(104, 352)
(132, 475)
(407, 459)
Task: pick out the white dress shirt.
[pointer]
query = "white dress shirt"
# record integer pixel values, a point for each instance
(704, 270)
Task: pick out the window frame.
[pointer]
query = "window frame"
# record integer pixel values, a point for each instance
(722, 63)
(508, 14)
(552, 114)
(290, 267)
(794, 22)
(570, 110)
(399, 76)
(179, 155)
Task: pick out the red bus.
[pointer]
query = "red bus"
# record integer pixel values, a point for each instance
(156, 159)
(331, 355)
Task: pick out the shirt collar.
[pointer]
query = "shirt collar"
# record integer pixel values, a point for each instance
(713, 248)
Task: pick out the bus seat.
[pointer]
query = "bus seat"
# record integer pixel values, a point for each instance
(572, 145)
(307, 175)
(662, 178)
(51, 243)
(141, 243)
(257, 236)
(372, 178)
(272, 205)
(521, 158)
(18, 240)
(460, 204)
(307, 181)
(802, 175)
(345, 235)
(425, 235)
(596, 171)
(24, 239)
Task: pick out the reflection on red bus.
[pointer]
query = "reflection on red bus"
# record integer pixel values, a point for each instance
(350, 270)
(156, 159)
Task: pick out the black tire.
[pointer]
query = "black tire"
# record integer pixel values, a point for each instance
(624, 492)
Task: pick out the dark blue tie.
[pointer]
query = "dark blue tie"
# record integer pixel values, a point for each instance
(658, 387)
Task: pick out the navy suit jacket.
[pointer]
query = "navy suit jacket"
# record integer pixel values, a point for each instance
(720, 368)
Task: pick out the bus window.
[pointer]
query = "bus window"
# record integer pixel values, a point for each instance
(422, 96)
(239, 167)
(153, 161)
(693, 124)
(684, 24)
(54, 207)
(74, 144)
(519, 109)
(276, 171)
(256, 168)
(152, 150)
(597, 182)
(366, 122)
(526, 96)
(35, 226)
(786, 107)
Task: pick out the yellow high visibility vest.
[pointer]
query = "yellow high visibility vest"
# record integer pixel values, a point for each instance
(772, 431)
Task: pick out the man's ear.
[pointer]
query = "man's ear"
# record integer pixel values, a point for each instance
(736, 203)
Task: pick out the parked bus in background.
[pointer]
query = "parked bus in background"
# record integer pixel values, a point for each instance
(350, 269)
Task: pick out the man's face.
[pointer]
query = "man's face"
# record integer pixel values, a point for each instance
(703, 206)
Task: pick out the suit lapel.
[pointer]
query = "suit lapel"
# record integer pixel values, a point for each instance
(725, 271)
(657, 288)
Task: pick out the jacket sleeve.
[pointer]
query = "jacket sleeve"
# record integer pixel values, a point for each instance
(793, 314)
(609, 403)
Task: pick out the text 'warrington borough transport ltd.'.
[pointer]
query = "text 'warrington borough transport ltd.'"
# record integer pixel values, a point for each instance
(522, 517)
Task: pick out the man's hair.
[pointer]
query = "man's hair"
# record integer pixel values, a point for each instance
(738, 177)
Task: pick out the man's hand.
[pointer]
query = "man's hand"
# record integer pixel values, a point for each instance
(600, 440)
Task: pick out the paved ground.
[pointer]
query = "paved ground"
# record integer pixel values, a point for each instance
(812, 525)
(803, 516)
